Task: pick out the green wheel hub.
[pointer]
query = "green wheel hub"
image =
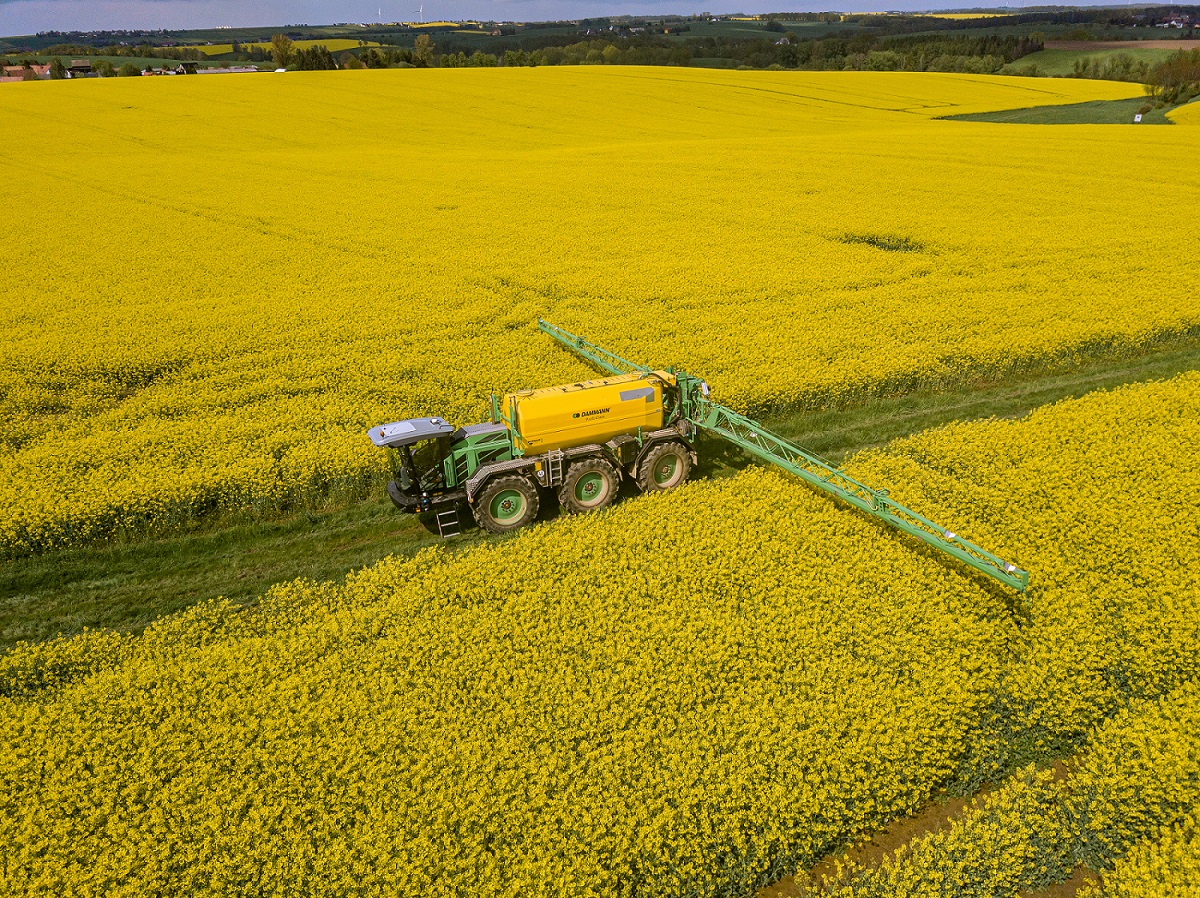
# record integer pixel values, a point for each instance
(507, 505)
(590, 487)
(666, 469)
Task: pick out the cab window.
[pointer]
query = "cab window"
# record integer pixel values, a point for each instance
(427, 461)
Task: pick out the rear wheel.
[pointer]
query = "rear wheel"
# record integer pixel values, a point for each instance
(589, 484)
(665, 467)
(506, 504)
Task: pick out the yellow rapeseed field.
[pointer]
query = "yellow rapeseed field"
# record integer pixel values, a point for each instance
(969, 15)
(333, 45)
(1137, 786)
(1186, 115)
(1166, 865)
(1077, 492)
(685, 694)
(219, 283)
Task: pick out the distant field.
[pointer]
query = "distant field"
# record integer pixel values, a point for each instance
(713, 62)
(969, 15)
(333, 45)
(1062, 62)
(946, 15)
(1122, 45)
(738, 29)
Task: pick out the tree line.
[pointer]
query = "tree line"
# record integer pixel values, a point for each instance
(285, 54)
(1176, 79)
(987, 54)
(143, 51)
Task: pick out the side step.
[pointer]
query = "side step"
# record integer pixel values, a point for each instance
(448, 524)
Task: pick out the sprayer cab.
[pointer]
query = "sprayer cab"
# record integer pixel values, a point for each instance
(421, 446)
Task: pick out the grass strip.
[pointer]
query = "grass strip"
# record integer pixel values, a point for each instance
(127, 586)
(1097, 112)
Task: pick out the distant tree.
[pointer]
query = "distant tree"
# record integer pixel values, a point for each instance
(787, 53)
(313, 59)
(129, 70)
(282, 50)
(236, 48)
(104, 68)
(350, 61)
(58, 71)
(1176, 79)
(422, 54)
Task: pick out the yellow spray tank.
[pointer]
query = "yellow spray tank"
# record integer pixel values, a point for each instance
(588, 412)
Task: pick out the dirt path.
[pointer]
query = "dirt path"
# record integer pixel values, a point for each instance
(1080, 877)
(873, 850)
(1122, 45)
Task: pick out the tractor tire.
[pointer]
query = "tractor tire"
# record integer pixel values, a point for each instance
(590, 484)
(506, 504)
(665, 467)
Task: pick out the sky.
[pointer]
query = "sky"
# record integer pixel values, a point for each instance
(31, 16)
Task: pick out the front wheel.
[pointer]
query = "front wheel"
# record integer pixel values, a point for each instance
(589, 484)
(506, 504)
(665, 467)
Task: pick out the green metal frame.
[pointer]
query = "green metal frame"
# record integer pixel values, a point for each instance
(609, 361)
(509, 421)
(761, 443)
(467, 457)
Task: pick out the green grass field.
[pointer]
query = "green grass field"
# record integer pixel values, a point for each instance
(128, 586)
(1099, 112)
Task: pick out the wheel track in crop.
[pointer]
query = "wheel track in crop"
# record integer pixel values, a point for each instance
(870, 850)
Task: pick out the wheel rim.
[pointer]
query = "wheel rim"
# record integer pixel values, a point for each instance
(665, 470)
(507, 505)
(591, 488)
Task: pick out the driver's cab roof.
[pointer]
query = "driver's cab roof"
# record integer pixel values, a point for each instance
(405, 433)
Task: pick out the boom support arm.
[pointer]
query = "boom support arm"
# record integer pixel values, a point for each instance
(761, 443)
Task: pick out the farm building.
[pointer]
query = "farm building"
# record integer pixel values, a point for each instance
(32, 72)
